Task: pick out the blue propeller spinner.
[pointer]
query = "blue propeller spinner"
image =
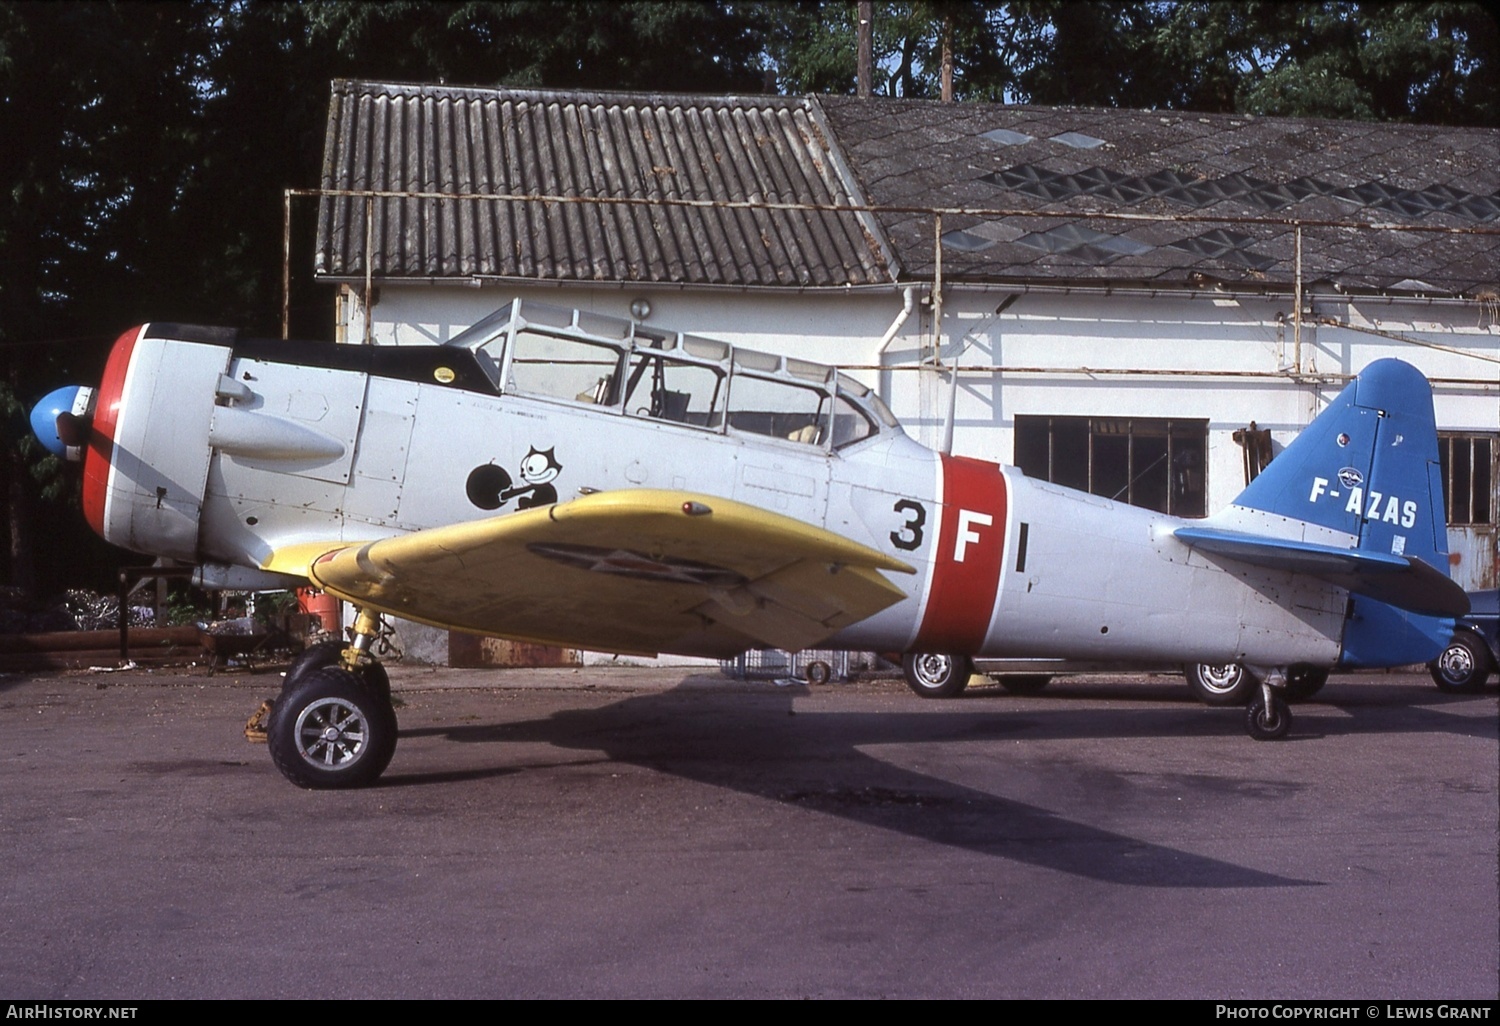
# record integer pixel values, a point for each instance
(45, 413)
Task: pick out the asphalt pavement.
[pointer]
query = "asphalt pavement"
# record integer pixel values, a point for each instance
(670, 833)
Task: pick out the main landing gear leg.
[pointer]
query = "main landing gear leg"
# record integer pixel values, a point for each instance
(1268, 717)
(334, 725)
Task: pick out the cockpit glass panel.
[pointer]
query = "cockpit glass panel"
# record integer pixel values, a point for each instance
(850, 424)
(564, 368)
(665, 389)
(777, 409)
(482, 330)
(491, 358)
(882, 410)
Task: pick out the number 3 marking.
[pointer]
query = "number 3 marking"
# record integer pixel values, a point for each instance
(909, 537)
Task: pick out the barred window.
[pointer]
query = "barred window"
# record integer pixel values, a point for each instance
(1153, 463)
(1469, 477)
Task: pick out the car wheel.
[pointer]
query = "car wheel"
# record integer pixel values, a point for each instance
(1024, 683)
(937, 674)
(332, 731)
(1463, 667)
(1302, 682)
(1268, 723)
(1222, 684)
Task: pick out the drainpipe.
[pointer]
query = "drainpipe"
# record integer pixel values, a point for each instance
(908, 304)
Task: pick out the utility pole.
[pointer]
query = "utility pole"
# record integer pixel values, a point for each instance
(947, 76)
(865, 70)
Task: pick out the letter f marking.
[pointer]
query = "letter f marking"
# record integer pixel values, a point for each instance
(967, 519)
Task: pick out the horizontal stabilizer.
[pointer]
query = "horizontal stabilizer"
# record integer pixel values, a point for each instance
(1401, 581)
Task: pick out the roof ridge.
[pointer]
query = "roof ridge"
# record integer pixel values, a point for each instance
(589, 97)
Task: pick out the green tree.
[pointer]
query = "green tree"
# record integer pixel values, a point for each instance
(1090, 54)
(811, 45)
(676, 46)
(1430, 62)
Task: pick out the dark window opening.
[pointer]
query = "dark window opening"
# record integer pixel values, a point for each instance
(1147, 462)
(1469, 477)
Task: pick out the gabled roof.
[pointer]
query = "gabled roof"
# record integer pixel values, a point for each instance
(440, 139)
(1049, 195)
(1182, 170)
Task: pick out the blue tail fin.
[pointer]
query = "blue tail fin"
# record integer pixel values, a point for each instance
(1357, 500)
(1367, 468)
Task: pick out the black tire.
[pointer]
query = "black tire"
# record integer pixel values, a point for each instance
(1224, 684)
(313, 657)
(1302, 682)
(937, 674)
(1463, 667)
(332, 731)
(328, 653)
(819, 672)
(1268, 726)
(1024, 683)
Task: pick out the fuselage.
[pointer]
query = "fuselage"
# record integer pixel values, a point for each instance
(220, 451)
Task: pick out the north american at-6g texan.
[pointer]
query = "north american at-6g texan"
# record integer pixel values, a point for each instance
(560, 477)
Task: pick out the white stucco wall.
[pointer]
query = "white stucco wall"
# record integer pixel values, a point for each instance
(1224, 358)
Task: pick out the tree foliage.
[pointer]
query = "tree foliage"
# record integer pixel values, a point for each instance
(1431, 62)
(1427, 62)
(146, 145)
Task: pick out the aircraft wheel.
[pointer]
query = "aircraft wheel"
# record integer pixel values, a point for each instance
(937, 674)
(332, 731)
(1268, 725)
(819, 672)
(313, 657)
(1024, 683)
(1462, 668)
(328, 653)
(1302, 682)
(1226, 684)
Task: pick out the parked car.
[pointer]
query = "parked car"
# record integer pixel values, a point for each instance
(935, 676)
(1231, 685)
(1474, 652)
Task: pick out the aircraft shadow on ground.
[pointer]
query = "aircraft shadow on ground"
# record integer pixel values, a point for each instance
(762, 746)
(1385, 709)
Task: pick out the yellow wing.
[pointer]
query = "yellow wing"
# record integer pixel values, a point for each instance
(638, 571)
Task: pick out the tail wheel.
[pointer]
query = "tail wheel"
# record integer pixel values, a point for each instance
(331, 730)
(1268, 723)
(937, 674)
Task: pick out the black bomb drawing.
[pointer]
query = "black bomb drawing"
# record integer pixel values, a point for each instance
(491, 486)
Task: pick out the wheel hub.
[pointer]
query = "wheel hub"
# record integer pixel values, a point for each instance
(330, 734)
(1456, 662)
(1222, 678)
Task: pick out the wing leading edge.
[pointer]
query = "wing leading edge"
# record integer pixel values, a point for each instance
(1401, 581)
(639, 571)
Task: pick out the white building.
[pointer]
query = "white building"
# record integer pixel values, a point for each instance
(1118, 289)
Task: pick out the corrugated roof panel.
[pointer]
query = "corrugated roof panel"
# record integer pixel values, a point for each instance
(463, 142)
